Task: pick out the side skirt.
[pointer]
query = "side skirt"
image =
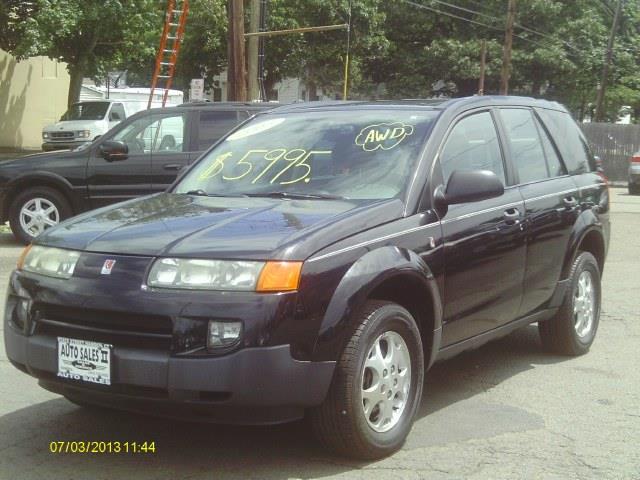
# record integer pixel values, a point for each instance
(479, 340)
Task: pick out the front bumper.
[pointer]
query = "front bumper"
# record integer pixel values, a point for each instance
(158, 340)
(257, 385)
(63, 145)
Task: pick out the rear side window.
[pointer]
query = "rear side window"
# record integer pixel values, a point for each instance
(117, 113)
(524, 143)
(213, 126)
(473, 145)
(569, 139)
(556, 169)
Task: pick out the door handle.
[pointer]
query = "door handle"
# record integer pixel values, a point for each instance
(172, 166)
(570, 201)
(512, 216)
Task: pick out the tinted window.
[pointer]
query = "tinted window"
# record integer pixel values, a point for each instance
(569, 139)
(524, 143)
(473, 145)
(117, 113)
(213, 126)
(556, 168)
(356, 154)
(154, 133)
(86, 111)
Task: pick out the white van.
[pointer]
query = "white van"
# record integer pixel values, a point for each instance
(86, 120)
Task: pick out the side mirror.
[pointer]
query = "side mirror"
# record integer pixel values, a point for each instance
(114, 117)
(469, 186)
(114, 151)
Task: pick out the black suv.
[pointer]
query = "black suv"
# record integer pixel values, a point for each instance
(317, 261)
(141, 155)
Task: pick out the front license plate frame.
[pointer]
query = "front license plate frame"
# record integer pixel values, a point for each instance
(84, 360)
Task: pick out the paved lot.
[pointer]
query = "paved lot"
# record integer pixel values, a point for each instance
(505, 411)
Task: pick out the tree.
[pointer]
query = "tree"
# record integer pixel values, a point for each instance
(90, 36)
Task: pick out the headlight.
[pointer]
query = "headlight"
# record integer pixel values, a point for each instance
(224, 275)
(204, 274)
(52, 262)
(84, 133)
(45, 134)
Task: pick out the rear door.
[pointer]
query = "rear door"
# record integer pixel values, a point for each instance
(170, 146)
(484, 243)
(212, 125)
(551, 201)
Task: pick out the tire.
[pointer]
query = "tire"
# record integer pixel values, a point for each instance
(29, 200)
(570, 332)
(340, 423)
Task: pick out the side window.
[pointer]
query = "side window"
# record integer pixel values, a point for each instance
(524, 143)
(117, 113)
(168, 134)
(473, 145)
(556, 169)
(213, 126)
(153, 133)
(569, 139)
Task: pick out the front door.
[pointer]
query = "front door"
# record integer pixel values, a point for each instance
(484, 242)
(115, 181)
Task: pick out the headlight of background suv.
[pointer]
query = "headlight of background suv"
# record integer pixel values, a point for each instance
(45, 134)
(84, 133)
(205, 274)
(52, 262)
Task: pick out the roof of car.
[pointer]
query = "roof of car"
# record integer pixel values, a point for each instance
(230, 105)
(429, 103)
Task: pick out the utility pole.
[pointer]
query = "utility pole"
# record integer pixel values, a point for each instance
(237, 66)
(483, 66)
(508, 43)
(252, 51)
(607, 61)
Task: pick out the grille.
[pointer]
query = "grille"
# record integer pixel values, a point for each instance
(117, 328)
(62, 135)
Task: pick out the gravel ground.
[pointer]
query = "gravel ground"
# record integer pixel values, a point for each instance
(505, 411)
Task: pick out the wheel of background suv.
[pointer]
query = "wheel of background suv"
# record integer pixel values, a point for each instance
(573, 329)
(35, 210)
(377, 386)
(634, 189)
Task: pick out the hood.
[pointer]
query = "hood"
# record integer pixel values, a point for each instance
(220, 227)
(74, 125)
(28, 162)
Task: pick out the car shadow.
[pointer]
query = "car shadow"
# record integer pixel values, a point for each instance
(190, 450)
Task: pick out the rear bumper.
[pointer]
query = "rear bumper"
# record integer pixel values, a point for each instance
(250, 386)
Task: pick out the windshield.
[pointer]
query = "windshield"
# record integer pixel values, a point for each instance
(356, 154)
(86, 111)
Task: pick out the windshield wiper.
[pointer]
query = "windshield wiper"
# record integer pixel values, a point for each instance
(202, 193)
(296, 195)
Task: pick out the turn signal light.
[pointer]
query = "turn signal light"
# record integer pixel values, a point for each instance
(279, 277)
(22, 257)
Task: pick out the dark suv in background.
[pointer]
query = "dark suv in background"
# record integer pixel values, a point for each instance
(139, 156)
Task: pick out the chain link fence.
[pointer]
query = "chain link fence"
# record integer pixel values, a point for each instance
(614, 144)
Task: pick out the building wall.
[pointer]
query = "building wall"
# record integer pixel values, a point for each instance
(33, 93)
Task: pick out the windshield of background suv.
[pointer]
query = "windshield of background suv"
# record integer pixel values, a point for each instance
(86, 111)
(356, 154)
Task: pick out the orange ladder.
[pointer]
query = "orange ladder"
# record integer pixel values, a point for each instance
(170, 41)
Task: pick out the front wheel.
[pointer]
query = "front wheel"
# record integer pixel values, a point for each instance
(573, 329)
(377, 386)
(35, 210)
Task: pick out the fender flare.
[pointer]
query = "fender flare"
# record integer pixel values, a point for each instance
(360, 280)
(586, 223)
(39, 178)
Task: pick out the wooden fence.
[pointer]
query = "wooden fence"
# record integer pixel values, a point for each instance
(614, 144)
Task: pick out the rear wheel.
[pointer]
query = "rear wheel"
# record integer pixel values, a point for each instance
(377, 386)
(573, 329)
(35, 210)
